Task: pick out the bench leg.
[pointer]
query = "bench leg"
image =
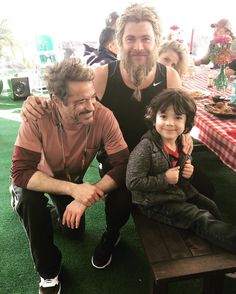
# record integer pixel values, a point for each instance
(213, 284)
(160, 288)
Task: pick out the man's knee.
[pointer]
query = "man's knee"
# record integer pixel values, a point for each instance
(120, 197)
(28, 199)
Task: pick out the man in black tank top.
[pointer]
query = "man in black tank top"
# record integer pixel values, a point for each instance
(128, 111)
(127, 86)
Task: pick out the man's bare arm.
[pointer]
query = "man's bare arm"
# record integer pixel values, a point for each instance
(85, 193)
(173, 78)
(100, 80)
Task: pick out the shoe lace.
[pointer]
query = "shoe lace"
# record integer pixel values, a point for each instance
(46, 283)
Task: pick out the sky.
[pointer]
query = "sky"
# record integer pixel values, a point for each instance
(83, 20)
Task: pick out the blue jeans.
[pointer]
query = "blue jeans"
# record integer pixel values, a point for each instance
(199, 214)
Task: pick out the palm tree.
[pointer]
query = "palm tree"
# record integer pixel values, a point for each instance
(6, 43)
(6, 37)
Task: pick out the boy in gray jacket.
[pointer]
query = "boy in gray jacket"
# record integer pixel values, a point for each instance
(158, 173)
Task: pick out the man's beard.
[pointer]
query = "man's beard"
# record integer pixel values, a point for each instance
(138, 72)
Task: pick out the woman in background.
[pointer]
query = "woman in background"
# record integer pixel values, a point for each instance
(173, 53)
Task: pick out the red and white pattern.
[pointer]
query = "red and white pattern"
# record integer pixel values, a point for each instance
(213, 129)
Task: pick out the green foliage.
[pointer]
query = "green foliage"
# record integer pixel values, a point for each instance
(6, 37)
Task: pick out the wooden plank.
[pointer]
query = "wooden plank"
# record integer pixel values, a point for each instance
(196, 245)
(174, 242)
(194, 267)
(149, 233)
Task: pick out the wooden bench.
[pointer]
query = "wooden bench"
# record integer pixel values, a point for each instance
(175, 255)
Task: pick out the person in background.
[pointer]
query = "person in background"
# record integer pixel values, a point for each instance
(222, 27)
(111, 20)
(51, 155)
(158, 173)
(173, 53)
(231, 68)
(107, 51)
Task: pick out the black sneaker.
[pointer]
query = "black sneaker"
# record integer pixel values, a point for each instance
(50, 286)
(103, 252)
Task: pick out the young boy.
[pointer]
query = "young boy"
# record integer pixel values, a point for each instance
(158, 173)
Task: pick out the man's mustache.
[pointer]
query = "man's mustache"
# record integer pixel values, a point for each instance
(138, 53)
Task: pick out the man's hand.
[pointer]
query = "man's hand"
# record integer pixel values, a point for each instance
(86, 193)
(187, 143)
(187, 170)
(72, 214)
(172, 175)
(34, 107)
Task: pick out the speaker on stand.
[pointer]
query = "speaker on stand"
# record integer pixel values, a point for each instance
(20, 88)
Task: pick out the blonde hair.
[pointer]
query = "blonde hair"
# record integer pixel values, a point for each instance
(179, 49)
(139, 13)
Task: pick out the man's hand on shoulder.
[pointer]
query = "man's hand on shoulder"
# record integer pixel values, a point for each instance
(34, 107)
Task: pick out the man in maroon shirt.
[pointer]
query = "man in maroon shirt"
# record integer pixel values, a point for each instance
(52, 154)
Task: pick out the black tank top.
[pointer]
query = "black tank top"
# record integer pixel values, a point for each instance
(129, 112)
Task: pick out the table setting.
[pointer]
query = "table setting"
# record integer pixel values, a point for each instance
(216, 116)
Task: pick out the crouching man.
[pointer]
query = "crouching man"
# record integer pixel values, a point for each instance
(52, 154)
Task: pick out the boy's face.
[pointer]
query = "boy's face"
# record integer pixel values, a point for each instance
(170, 125)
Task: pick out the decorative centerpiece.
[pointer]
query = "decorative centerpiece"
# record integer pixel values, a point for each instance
(221, 55)
(175, 34)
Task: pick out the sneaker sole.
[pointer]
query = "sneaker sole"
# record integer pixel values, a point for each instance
(58, 292)
(109, 260)
(101, 267)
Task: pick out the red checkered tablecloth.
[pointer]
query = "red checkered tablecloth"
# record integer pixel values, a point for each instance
(213, 129)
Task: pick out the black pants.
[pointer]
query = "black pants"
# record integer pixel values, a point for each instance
(36, 219)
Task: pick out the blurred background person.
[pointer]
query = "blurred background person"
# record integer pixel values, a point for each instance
(107, 51)
(231, 68)
(111, 20)
(174, 54)
(221, 28)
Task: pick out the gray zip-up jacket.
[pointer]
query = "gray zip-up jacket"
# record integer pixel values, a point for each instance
(145, 176)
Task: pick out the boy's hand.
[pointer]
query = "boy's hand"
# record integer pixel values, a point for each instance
(172, 175)
(187, 169)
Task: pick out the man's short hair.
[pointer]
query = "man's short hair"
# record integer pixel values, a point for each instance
(59, 74)
(139, 13)
(106, 37)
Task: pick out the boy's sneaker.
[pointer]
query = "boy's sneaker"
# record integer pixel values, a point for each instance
(103, 252)
(50, 286)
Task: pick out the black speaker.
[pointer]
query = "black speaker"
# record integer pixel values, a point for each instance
(20, 88)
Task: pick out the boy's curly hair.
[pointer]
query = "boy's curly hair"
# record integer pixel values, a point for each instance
(181, 101)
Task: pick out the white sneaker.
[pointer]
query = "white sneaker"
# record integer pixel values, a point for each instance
(50, 286)
(14, 199)
(231, 275)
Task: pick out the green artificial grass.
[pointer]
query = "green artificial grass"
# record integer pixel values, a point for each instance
(128, 272)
